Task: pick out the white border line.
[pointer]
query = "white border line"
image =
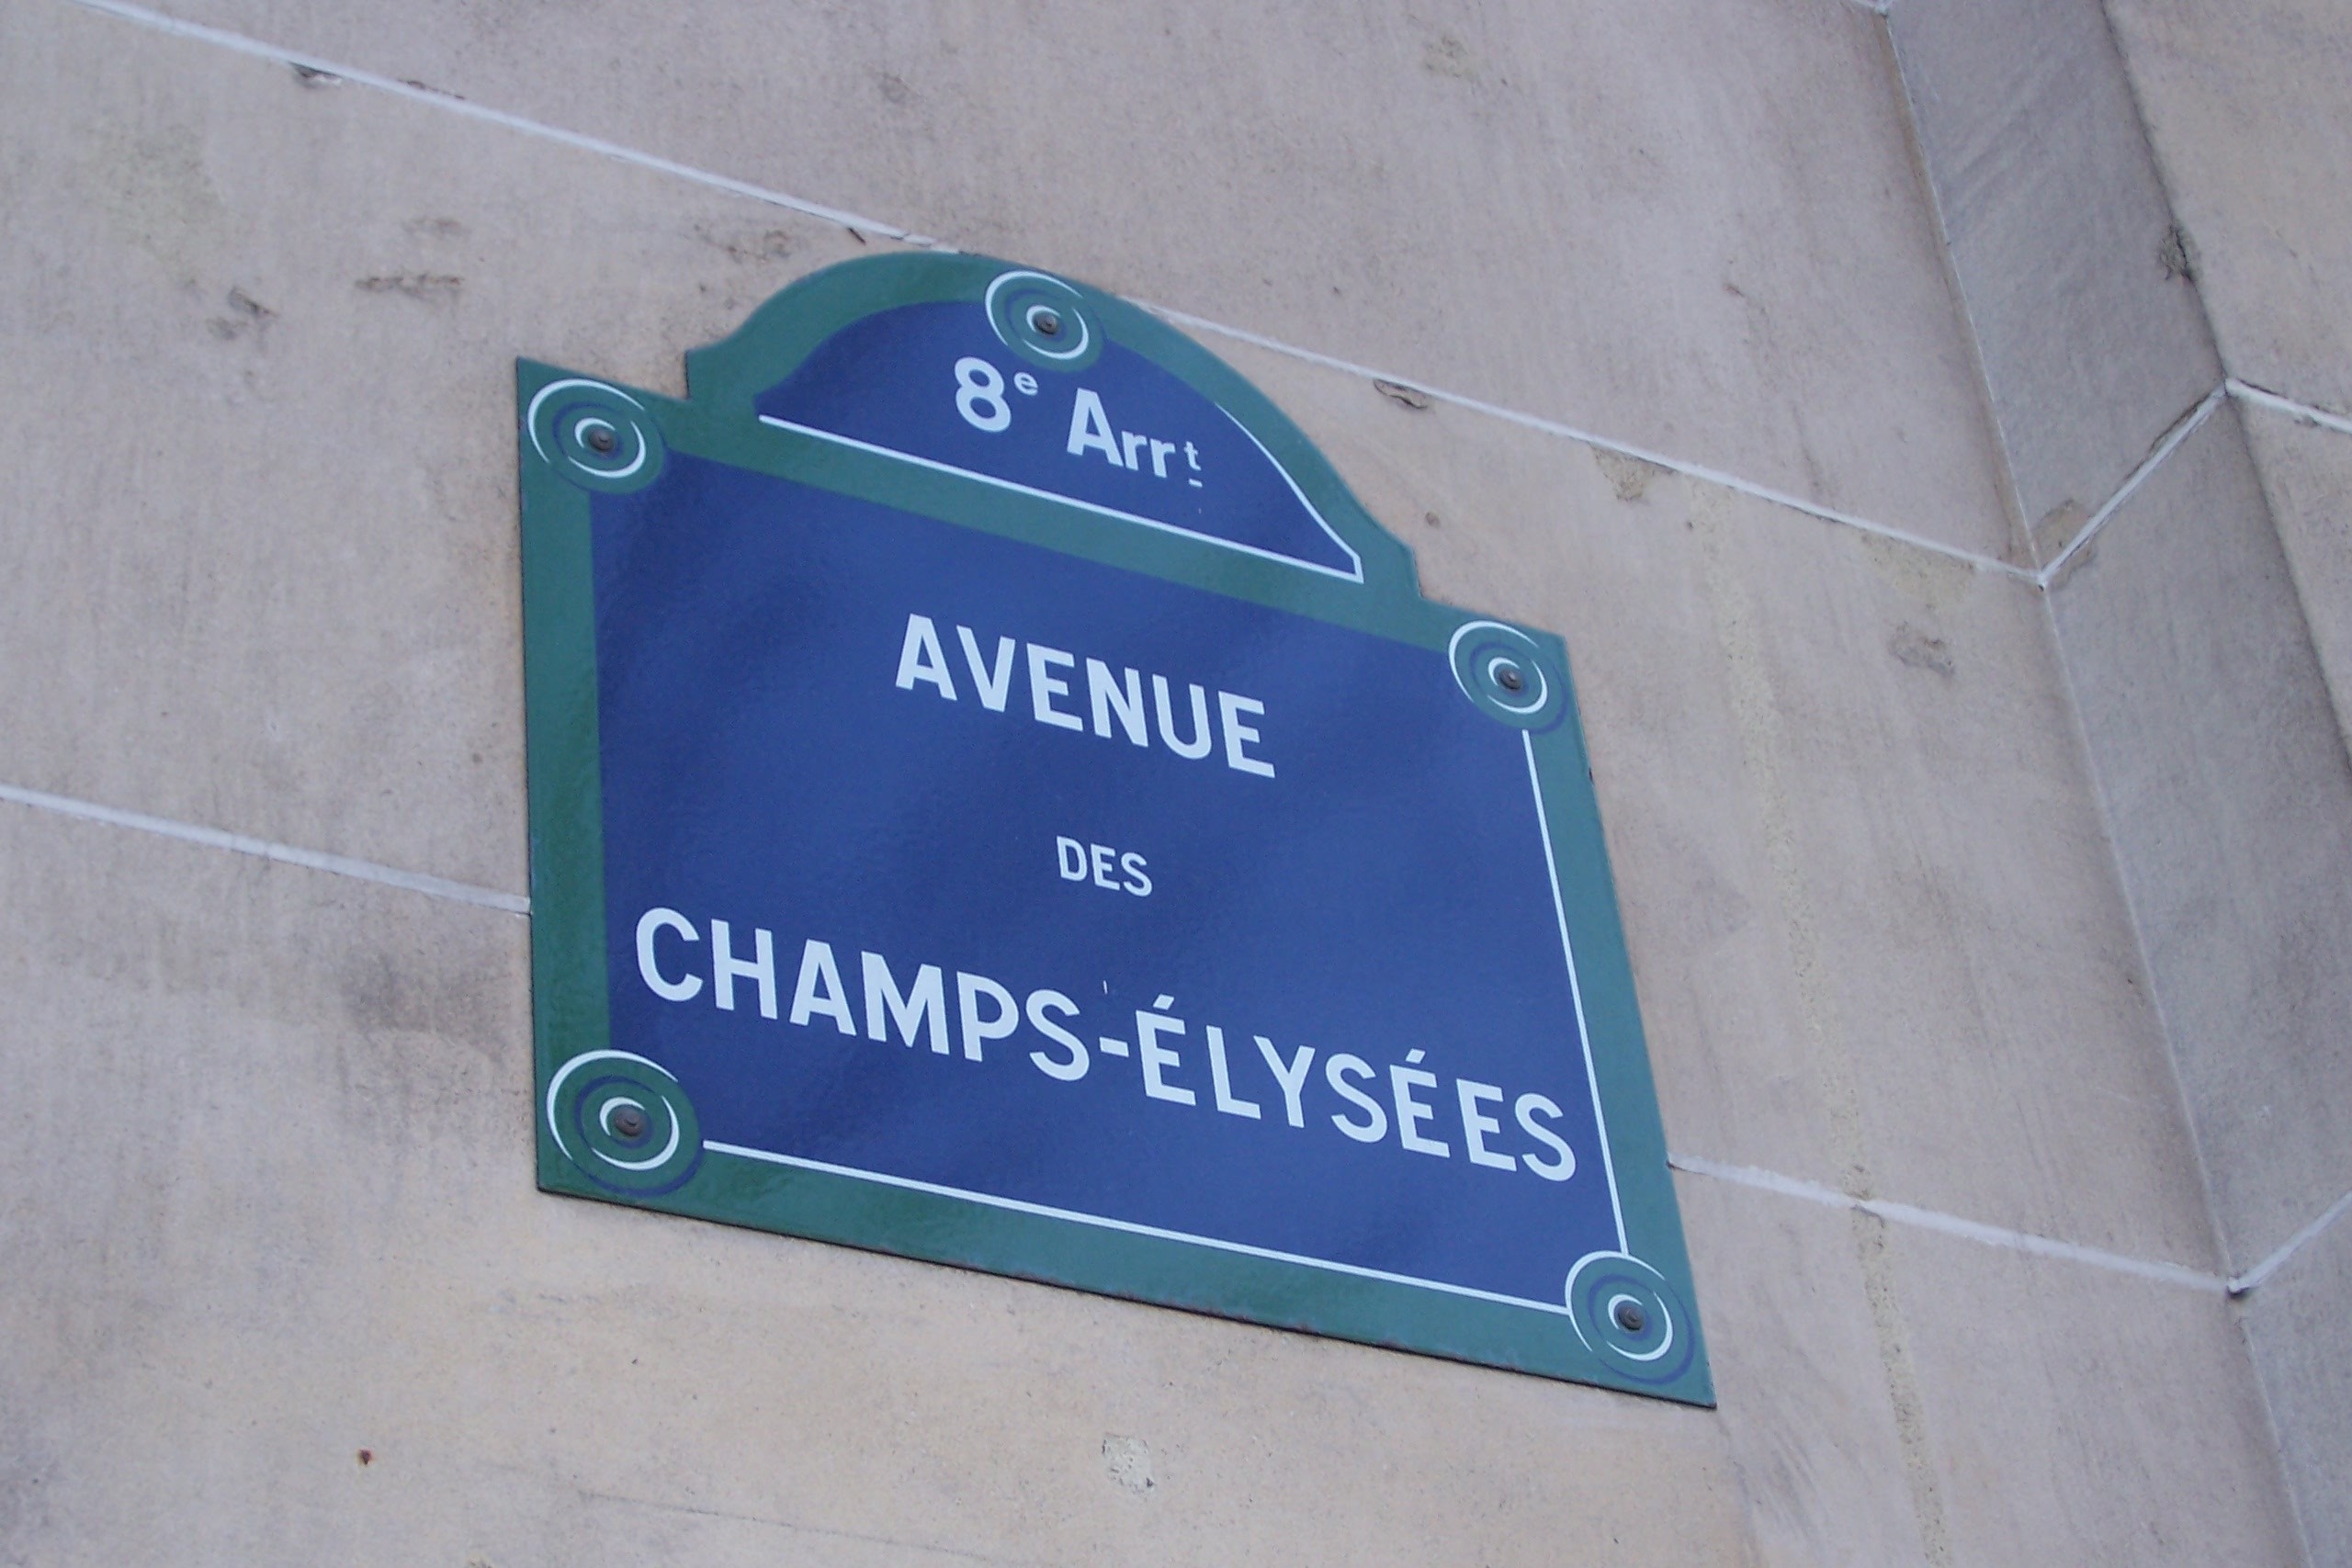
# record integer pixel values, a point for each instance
(1129, 1226)
(1111, 511)
(285, 854)
(1355, 560)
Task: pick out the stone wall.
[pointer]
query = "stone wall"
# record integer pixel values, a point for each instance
(1956, 626)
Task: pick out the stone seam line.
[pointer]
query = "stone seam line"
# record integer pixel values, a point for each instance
(239, 43)
(515, 904)
(277, 54)
(2183, 428)
(289, 855)
(2262, 397)
(1744, 1176)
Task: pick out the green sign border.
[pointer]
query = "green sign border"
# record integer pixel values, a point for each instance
(717, 423)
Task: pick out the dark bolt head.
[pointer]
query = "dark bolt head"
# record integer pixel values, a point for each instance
(1510, 680)
(1047, 323)
(629, 1121)
(602, 441)
(1629, 1318)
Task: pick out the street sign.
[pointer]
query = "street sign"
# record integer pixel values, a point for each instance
(996, 797)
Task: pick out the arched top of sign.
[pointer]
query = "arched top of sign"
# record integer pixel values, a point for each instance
(1045, 387)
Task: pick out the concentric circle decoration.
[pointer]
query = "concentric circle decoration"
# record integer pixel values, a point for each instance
(1629, 1316)
(623, 1122)
(1504, 674)
(597, 436)
(1043, 320)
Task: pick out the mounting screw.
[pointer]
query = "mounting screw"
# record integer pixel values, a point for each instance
(1047, 323)
(1629, 1318)
(1508, 679)
(602, 441)
(629, 1121)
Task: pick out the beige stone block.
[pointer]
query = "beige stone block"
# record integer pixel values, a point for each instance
(253, 1101)
(260, 571)
(2244, 105)
(1872, 913)
(2229, 793)
(2093, 341)
(1807, 1405)
(2307, 477)
(1695, 225)
(2296, 1326)
(2085, 1417)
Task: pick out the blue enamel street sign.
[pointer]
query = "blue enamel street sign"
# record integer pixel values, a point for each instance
(996, 797)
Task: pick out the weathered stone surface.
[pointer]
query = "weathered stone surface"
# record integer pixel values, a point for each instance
(2295, 1325)
(2231, 796)
(2307, 476)
(2079, 1416)
(2089, 327)
(1808, 1414)
(1696, 225)
(259, 337)
(2244, 105)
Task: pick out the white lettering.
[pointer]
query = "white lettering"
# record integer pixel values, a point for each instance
(1090, 429)
(1337, 1070)
(1230, 708)
(1476, 1124)
(1149, 1026)
(1115, 695)
(993, 683)
(985, 1010)
(1412, 1113)
(1108, 696)
(1042, 1003)
(921, 659)
(1222, 1080)
(975, 1030)
(1563, 1164)
(726, 968)
(1198, 746)
(979, 395)
(1073, 857)
(1044, 688)
(924, 1006)
(657, 920)
(820, 990)
(1292, 1076)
